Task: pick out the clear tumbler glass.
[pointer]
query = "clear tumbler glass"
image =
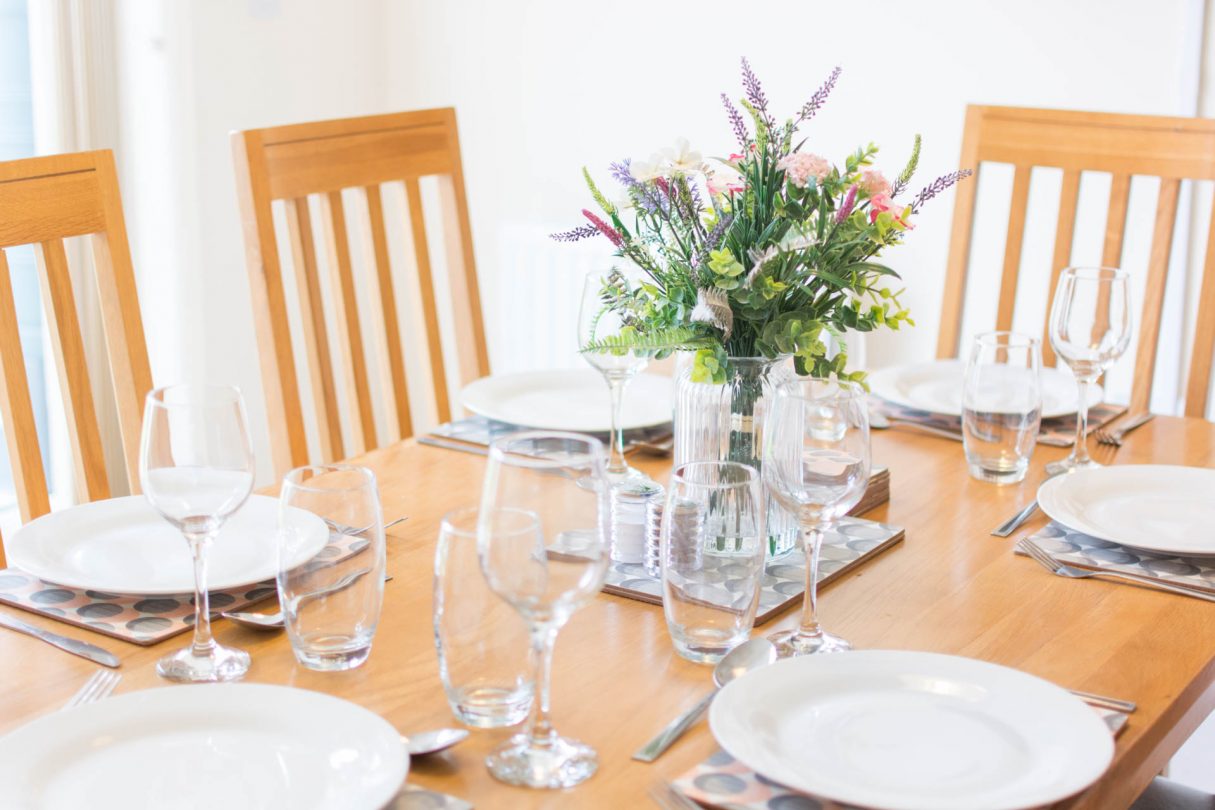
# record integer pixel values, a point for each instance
(713, 547)
(331, 607)
(482, 641)
(1001, 405)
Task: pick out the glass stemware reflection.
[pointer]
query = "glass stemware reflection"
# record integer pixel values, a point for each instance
(816, 465)
(598, 323)
(1090, 328)
(542, 541)
(196, 469)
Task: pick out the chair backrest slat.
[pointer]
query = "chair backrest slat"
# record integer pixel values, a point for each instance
(394, 355)
(426, 288)
(1012, 256)
(321, 160)
(346, 315)
(1153, 298)
(1199, 384)
(1171, 149)
(1065, 234)
(312, 319)
(64, 328)
(25, 456)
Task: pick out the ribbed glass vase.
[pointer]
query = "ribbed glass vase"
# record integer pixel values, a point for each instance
(725, 423)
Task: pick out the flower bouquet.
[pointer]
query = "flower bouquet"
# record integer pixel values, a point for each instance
(746, 260)
(768, 252)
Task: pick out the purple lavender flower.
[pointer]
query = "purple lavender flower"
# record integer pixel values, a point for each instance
(622, 174)
(846, 208)
(575, 234)
(736, 120)
(820, 96)
(714, 238)
(937, 186)
(755, 91)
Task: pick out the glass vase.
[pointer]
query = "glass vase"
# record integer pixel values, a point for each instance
(724, 422)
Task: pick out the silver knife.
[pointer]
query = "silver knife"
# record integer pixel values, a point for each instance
(75, 647)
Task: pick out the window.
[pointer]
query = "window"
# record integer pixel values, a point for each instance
(17, 141)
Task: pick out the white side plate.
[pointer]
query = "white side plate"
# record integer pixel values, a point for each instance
(575, 399)
(1159, 508)
(220, 746)
(936, 387)
(910, 731)
(124, 546)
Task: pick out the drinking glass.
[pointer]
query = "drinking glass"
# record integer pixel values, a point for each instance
(596, 323)
(196, 469)
(712, 553)
(331, 607)
(542, 540)
(1001, 405)
(482, 642)
(1090, 328)
(816, 465)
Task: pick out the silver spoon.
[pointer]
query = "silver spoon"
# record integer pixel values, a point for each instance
(275, 621)
(748, 656)
(432, 742)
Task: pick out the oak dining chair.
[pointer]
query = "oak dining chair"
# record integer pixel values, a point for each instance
(43, 202)
(1122, 146)
(286, 166)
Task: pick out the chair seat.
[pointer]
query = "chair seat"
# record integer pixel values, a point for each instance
(1164, 794)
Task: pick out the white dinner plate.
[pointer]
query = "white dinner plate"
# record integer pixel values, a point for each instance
(572, 399)
(212, 746)
(1159, 508)
(124, 546)
(936, 387)
(911, 731)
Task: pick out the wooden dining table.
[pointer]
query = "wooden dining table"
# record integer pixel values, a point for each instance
(949, 587)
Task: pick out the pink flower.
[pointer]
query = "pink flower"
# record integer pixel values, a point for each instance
(801, 166)
(874, 184)
(722, 179)
(607, 230)
(882, 202)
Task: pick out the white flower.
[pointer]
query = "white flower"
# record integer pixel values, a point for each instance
(646, 170)
(669, 162)
(682, 159)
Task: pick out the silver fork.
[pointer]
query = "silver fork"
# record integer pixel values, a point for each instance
(100, 685)
(1071, 572)
(1114, 437)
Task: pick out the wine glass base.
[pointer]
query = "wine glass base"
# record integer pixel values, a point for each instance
(1069, 465)
(222, 664)
(560, 763)
(793, 643)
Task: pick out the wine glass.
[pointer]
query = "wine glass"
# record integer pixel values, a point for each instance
(1090, 328)
(542, 542)
(816, 465)
(600, 319)
(196, 469)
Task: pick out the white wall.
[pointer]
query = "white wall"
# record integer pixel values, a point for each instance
(191, 73)
(545, 86)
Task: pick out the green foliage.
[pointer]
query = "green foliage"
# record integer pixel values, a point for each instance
(710, 365)
(791, 268)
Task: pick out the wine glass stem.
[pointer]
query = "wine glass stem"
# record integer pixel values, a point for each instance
(203, 644)
(812, 541)
(1080, 448)
(540, 731)
(616, 464)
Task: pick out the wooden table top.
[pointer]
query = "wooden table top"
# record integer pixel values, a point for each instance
(949, 587)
